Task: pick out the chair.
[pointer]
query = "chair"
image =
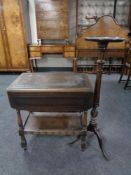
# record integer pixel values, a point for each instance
(127, 65)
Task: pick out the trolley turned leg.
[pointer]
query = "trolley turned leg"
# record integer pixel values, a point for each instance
(21, 130)
(83, 133)
(84, 130)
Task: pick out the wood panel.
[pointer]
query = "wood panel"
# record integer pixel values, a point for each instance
(52, 5)
(54, 123)
(69, 51)
(129, 20)
(3, 62)
(52, 19)
(2, 49)
(37, 50)
(13, 49)
(15, 34)
(52, 49)
(105, 26)
(35, 54)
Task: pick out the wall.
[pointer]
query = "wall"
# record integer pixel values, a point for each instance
(103, 7)
(32, 21)
(72, 21)
(26, 17)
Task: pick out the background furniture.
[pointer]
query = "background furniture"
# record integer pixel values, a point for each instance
(14, 34)
(36, 51)
(105, 26)
(15, 22)
(52, 19)
(127, 65)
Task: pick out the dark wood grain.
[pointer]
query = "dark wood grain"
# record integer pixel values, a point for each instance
(54, 92)
(53, 124)
(105, 26)
(52, 19)
(13, 50)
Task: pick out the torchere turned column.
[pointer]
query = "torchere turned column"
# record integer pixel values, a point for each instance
(102, 44)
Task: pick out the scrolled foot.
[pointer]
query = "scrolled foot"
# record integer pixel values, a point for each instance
(96, 131)
(76, 140)
(101, 144)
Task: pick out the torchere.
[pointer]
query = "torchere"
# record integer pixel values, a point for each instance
(92, 127)
(102, 45)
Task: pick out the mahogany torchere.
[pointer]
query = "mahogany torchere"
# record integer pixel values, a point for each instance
(102, 44)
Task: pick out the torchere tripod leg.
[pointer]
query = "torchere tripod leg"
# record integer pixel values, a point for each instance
(77, 139)
(100, 141)
(82, 136)
(96, 131)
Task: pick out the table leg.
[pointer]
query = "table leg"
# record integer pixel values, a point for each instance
(36, 67)
(84, 130)
(74, 64)
(21, 130)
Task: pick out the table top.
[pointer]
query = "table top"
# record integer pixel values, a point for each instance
(51, 81)
(105, 39)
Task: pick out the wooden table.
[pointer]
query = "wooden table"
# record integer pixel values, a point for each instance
(36, 51)
(66, 96)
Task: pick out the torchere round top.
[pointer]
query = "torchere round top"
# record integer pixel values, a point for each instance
(104, 39)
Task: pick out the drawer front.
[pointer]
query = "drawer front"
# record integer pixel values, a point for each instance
(35, 54)
(69, 54)
(34, 48)
(52, 49)
(69, 48)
